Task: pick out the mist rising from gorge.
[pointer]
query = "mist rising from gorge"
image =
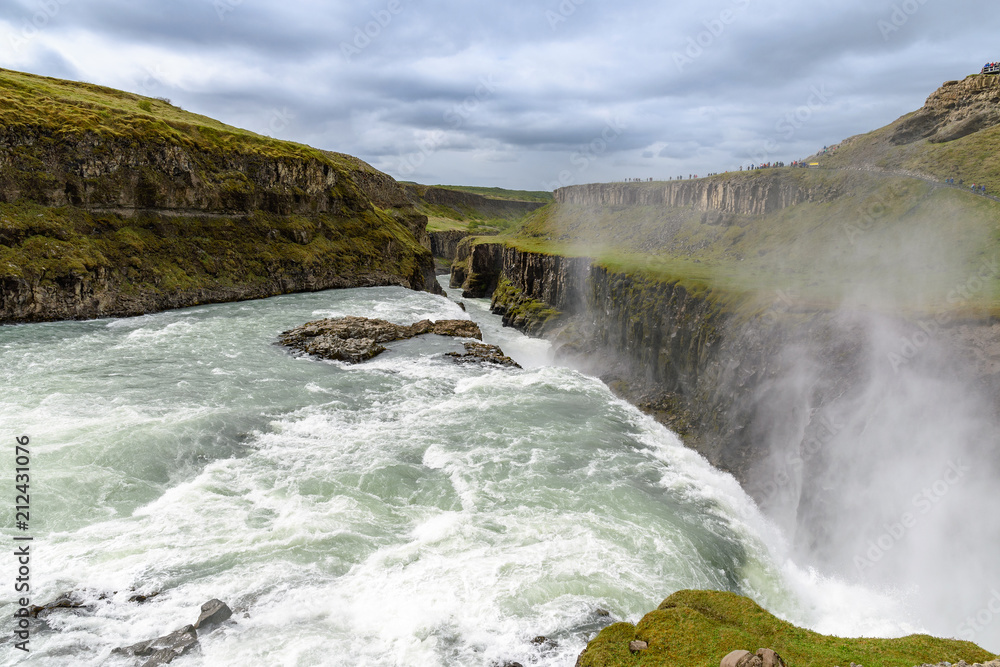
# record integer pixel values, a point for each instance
(876, 413)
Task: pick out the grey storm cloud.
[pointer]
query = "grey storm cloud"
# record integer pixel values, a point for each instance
(508, 93)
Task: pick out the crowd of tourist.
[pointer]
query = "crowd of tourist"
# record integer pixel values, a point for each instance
(991, 68)
(978, 189)
(767, 165)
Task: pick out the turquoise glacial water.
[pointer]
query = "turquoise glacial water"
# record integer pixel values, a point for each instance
(404, 511)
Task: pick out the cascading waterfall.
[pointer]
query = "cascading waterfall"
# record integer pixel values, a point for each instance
(404, 511)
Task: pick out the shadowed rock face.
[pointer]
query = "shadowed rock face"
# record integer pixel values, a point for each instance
(445, 244)
(142, 218)
(356, 339)
(310, 225)
(955, 110)
(736, 196)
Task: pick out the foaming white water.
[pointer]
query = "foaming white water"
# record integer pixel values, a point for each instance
(405, 511)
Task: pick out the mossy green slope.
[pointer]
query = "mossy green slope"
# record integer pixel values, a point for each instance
(70, 108)
(537, 196)
(473, 209)
(116, 204)
(956, 134)
(698, 628)
(875, 240)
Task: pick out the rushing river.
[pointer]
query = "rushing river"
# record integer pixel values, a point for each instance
(405, 511)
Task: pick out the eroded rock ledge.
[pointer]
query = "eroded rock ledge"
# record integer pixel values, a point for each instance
(357, 339)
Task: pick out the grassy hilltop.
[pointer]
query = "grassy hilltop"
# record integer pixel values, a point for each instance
(698, 628)
(113, 203)
(874, 239)
(69, 108)
(876, 225)
(956, 134)
(476, 210)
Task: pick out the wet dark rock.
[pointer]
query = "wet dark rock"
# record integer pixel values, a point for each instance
(213, 612)
(163, 650)
(162, 657)
(75, 601)
(483, 353)
(65, 601)
(545, 644)
(356, 339)
(176, 643)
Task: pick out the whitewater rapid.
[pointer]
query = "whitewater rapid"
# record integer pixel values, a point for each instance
(404, 511)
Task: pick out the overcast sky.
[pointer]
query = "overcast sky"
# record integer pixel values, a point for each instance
(527, 94)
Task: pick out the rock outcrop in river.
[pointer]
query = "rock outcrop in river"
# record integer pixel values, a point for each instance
(357, 339)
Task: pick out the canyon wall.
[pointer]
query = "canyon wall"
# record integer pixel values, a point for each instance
(766, 193)
(814, 410)
(98, 225)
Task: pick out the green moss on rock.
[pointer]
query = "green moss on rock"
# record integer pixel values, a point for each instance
(521, 311)
(698, 628)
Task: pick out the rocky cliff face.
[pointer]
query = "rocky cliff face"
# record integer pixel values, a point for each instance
(774, 392)
(147, 214)
(477, 267)
(445, 243)
(757, 195)
(955, 110)
(652, 342)
(98, 172)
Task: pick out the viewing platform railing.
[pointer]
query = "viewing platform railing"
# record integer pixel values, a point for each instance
(991, 69)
